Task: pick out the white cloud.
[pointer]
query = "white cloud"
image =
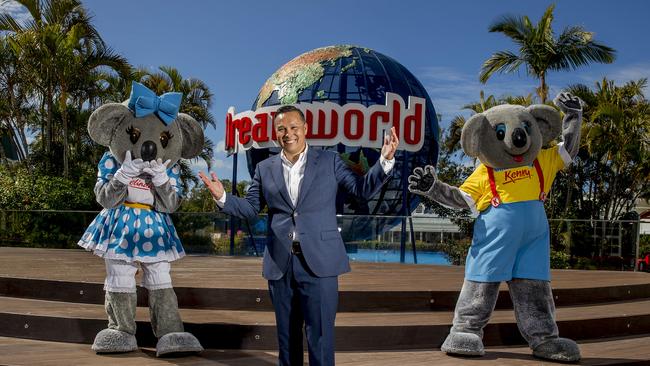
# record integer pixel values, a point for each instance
(443, 73)
(631, 72)
(17, 11)
(201, 165)
(451, 89)
(221, 147)
(220, 164)
(620, 74)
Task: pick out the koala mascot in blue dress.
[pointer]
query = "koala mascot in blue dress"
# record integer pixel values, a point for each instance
(138, 186)
(511, 234)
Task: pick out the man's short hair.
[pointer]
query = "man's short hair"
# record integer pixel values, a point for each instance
(287, 109)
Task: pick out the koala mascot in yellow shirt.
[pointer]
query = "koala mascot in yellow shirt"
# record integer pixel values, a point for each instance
(511, 234)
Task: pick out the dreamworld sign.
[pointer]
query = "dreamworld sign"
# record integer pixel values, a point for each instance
(328, 124)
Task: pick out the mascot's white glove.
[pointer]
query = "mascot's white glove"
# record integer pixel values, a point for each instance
(130, 169)
(158, 171)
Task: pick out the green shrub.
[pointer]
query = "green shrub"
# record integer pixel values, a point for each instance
(560, 260)
(456, 250)
(21, 191)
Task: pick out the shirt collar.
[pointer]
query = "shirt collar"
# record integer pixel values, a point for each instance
(301, 157)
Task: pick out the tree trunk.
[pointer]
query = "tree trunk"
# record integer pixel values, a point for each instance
(20, 124)
(66, 168)
(64, 116)
(23, 138)
(543, 92)
(79, 131)
(15, 139)
(570, 183)
(48, 128)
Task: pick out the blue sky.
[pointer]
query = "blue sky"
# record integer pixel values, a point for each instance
(234, 46)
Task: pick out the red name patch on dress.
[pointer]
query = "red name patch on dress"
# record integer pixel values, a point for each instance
(140, 184)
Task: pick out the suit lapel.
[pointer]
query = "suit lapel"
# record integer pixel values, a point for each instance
(310, 173)
(278, 178)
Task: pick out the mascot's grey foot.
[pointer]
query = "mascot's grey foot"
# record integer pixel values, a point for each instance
(114, 341)
(558, 349)
(177, 344)
(465, 344)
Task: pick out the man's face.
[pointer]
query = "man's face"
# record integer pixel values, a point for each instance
(290, 131)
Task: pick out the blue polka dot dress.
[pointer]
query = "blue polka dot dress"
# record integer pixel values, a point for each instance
(133, 234)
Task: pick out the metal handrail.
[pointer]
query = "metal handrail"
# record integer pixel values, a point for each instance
(419, 216)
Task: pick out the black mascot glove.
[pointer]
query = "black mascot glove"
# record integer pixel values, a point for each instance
(568, 102)
(422, 180)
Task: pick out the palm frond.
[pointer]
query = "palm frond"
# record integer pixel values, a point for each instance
(33, 7)
(452, 142)
(501, 61)
(575, 47)
(544, 26)
(523, 100)
(174, 76)
(9, 23)
(583, 92)
(516, 28)
(208, 152)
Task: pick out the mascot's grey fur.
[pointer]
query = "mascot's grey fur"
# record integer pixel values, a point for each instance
(532, 127)
(114, 125)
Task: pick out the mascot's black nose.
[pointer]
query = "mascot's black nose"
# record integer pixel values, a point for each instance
(518, 137)
(148, 151)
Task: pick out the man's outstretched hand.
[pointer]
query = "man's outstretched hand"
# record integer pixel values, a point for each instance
(390, 145)
(213, 184)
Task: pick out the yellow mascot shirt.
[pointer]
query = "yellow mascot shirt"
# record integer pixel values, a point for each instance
(515, 184)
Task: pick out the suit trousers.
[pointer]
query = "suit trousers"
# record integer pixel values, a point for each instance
(300, 298)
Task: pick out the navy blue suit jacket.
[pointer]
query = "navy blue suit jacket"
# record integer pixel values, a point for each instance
(314, 216)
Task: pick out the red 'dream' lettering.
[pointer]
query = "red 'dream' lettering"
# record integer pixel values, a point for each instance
(261, 128)
(244, 130)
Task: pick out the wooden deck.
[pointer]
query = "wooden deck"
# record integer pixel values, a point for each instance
(245, 272)
(14, 351)
(388, 313)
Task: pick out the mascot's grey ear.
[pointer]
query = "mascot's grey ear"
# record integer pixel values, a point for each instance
(470, 136)
(548, 121)
(104, 120)
(192, 136)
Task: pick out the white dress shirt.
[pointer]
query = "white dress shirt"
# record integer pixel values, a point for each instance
(294, 172)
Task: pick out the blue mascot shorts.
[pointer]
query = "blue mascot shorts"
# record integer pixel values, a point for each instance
(510, 241)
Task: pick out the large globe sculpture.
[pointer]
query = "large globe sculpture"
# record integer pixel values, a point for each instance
(350, 74)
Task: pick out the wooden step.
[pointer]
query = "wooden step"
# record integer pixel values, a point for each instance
(611, 351)
(72, 322)
(231, 283)
(349, 300)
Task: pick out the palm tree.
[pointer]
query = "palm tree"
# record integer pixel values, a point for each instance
(197, 97)
(616, 147)
(13, 99)
(58, 48)
(539, 50)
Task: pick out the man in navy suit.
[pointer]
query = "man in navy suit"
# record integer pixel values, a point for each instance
(305, 253)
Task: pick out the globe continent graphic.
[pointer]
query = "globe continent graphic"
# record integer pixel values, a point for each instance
(350, 74)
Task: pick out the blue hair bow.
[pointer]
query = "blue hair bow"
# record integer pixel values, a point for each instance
(144, 101)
